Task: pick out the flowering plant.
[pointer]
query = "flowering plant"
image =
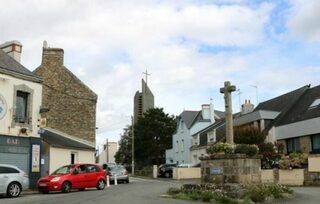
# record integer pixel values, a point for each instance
(220, 147)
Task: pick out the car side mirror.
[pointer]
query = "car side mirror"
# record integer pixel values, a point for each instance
(104, 166)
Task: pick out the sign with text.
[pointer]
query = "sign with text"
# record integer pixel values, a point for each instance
(35, 158)
(216, 171)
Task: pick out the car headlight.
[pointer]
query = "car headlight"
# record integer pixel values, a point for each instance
(55, 179)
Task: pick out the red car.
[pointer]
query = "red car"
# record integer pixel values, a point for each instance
(73, 176)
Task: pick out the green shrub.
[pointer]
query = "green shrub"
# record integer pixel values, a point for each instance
(195, 195)
(207, 196)
(249, 150)
(256, 194)
(259, 193)
(220, 147)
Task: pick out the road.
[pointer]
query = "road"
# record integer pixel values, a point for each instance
(140, 191)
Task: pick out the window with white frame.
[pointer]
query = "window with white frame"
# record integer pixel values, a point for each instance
(212, 136)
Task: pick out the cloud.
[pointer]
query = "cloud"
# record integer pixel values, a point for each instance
(304, 21)
(189, 47)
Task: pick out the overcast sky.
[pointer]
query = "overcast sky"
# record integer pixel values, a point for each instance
(189, 47)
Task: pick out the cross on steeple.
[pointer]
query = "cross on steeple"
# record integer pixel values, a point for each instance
(146, 73)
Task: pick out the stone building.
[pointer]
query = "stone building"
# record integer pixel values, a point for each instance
(20, 104)
(143, 101)
(71, 103)
(71, 116)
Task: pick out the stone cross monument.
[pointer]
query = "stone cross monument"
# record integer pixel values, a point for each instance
(226, 90)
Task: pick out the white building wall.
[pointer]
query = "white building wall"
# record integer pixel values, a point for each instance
(107, 155)
(60, 157)
(7, 84)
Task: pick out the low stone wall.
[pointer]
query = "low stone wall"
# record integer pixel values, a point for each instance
(186, 173)
(314, 163)
(267, 176)
(230, 168)
(293, 177)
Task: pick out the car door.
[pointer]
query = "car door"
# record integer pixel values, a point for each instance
(92, 175)
(79, 177)
(3, 180)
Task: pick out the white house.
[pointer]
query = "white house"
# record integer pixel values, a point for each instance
(20, 102)
(188, 123)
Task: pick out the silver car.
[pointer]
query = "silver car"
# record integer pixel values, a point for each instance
(119, 172)
(12, 180)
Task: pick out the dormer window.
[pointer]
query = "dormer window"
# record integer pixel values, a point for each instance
(315, 104)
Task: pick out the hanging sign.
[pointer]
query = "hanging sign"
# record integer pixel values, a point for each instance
(3, 107)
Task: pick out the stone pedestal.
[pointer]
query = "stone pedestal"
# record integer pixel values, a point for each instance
(230, 168)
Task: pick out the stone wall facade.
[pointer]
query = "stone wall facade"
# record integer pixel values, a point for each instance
(235, 168)
(72, 105)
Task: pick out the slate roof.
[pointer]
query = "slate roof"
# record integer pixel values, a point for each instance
(188, 117)
(10, 66)
(282, 104)
(58, 140)
(301, 109)
(191, 117)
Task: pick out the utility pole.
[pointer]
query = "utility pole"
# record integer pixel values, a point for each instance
(227, 90)
(132, 129)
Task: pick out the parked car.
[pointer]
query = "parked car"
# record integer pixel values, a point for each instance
(12, 180)
(118, 171)
(185, 166)
(165, 170)
(73, 176)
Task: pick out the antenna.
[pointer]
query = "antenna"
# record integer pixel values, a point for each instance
(239, 93)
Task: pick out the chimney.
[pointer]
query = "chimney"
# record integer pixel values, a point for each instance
(52, 56)
(13, 49)
(212, 113)
(247, 107)
(205, 111)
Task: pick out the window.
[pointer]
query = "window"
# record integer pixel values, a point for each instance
(293, 145)
(21, 107)
(177, 146)
(92, 168)
(8, 170)
(212, 136)
(182, 145)
(315, 103)
(315, 141)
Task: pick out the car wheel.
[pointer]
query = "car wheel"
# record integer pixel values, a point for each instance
(66, 187)
(101, 184)
(167, 175)
(14, 190)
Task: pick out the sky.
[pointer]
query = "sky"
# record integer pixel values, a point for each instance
(190, 47)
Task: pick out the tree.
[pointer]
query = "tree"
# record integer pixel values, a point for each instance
(153, 135)
(124, 153)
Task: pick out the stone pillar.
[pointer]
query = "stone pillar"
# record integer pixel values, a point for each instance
(226, 90)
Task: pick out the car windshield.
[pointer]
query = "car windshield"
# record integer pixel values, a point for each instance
(63, 170)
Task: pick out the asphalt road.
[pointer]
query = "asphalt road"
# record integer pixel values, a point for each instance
(138, 191)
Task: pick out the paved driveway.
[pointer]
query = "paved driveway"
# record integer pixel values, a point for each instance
(304, 195)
